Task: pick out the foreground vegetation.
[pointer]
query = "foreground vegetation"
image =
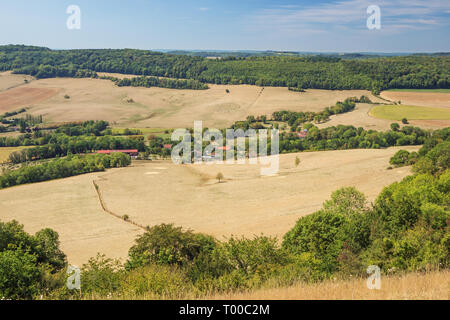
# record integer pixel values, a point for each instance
(431, 285)
(405, 229)
(409, 286)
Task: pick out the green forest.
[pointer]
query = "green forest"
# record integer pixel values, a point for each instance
(315, 72)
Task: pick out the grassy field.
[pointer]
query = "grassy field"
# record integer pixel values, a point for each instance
(411, 286)
(398, 112)
(158, 132)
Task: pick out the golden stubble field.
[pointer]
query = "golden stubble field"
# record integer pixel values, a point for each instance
(151, 193)
(9, 80)
(93, 99)
(426, 99)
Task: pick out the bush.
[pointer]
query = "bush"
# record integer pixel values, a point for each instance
(166, 244)
(19, 275)
(395, 126)
(155, 281)
(401, 158)
(101, 276)
(44, 245)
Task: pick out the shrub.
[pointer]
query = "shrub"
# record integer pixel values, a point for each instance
(101, 276)
(166, 244)
(19, 275)
(400, 158)
(155, 281)
(395, 126)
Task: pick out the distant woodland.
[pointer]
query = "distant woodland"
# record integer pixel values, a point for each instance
(308, 72)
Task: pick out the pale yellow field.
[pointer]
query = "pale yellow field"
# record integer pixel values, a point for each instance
(92, 99)
(152, 193)
(71, 207)
(426, 99)
(9, 80)
(246, 203)
(412, 286)
(359, 118)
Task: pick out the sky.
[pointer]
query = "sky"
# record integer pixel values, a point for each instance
(312, 26)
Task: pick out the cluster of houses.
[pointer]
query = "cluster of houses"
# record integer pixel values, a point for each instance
(134, 153)
(302, 134)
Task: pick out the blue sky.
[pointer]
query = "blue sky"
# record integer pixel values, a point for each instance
(337, 26)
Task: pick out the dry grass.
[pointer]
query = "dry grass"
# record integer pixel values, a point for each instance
(152, 193)
(359, 118)
(412, 286)
(9, 80)
(244, 203)
(92, 99)
(71, 207)
(426, 99)
(23, 96)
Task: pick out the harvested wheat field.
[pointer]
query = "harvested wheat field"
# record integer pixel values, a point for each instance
(71, 207)
(419, 98)
(94, 99)
(24, 96)
(245, 203)
(152, 193)
(412, 286)
(9, 80)
(359, 118)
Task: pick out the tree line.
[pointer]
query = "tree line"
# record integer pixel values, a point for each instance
(375, 74)
(61, 168)
(149, 82)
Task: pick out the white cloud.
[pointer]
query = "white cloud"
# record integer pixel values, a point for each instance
(395, 15)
